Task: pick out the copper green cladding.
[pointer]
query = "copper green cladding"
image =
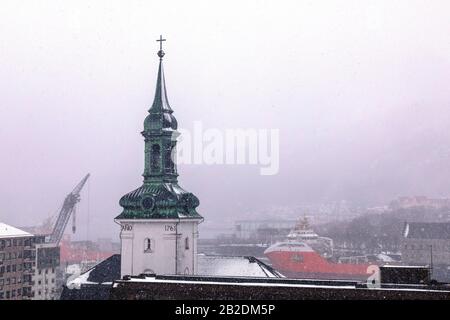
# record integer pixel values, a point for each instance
(160, 196)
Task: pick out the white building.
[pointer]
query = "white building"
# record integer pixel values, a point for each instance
(159, 246)
(44, 284)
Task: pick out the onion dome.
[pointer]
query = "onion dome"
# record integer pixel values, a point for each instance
(159, 201)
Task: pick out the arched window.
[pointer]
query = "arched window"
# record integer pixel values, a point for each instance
(173, 156)
(149, 245)
(155, 157)
(168, 157)
(186, 243)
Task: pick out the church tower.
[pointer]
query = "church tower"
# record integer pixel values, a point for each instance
(159, 221)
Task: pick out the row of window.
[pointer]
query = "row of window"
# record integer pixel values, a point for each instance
(4, 243)
(10, 256)
(18, 292)
(39, 292)
(16, 267)
(10, 294)
(46, 281)
(9, 281)
(46, 271)
(149, 245)
(14, 280)
(11, 243)
(19, 267)
(11, 268)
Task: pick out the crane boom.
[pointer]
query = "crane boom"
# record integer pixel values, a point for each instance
(67, 209)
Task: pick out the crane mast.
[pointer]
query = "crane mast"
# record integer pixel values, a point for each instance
(67, 209)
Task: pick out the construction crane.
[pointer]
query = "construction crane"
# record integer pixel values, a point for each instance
(67, 209)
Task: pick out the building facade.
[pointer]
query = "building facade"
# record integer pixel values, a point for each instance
(426, 244)
(16, 257)
(46, 263)
(28, 266)
(159, 221)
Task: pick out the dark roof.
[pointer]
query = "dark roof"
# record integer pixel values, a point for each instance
(87, 292)
(106, 271)
(94, 284)
(152, 287)
(427, 230)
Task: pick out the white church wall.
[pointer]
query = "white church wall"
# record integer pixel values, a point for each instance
(160, 256)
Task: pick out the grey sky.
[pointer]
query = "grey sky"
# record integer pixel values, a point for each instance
(358, 89)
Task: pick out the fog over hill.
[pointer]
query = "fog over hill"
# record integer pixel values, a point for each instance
(359, 94)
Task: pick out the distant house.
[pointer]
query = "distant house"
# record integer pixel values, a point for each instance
(263, 230)
(426, 243)
(419, 201)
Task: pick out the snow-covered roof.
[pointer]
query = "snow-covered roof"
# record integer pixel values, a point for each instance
(75, 281)
(384, 258)
(249, 282)
(7, 231)
(233, 267)
(73, 269)
(105, 272)
(404, 266)
(222, 266)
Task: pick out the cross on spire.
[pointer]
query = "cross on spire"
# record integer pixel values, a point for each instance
(160, 40)
(160, 52)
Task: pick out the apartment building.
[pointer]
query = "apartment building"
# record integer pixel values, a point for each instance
(16, 263)
(28, 265)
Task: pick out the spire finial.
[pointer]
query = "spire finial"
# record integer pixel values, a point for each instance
(160, 52)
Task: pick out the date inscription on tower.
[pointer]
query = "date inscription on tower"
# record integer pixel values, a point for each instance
(169, 227)
(127, 227)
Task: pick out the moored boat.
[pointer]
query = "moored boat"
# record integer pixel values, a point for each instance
(304, 254)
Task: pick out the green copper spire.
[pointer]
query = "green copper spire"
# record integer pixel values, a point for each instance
(160, 102)
(160, 114)
(160, 196)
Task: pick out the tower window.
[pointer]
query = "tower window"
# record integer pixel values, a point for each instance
(186, 243)
(149, 245)
(155, 157)
(168, 157)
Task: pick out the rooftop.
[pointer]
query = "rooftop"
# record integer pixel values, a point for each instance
(7, 231)
(222, 277)
(234, 267)
(108, 270)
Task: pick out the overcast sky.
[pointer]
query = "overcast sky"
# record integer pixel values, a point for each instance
(358, 89)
